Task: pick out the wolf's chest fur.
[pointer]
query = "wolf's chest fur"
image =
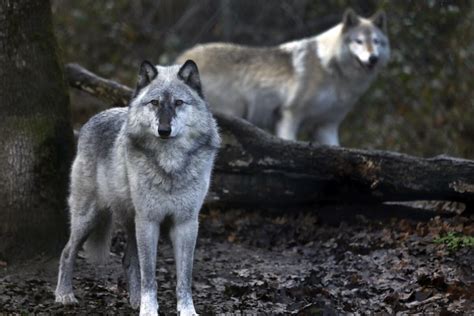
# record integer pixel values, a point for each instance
(164, 176)
(325, 93)
(173, 166)
(185, 186)
(333, 97)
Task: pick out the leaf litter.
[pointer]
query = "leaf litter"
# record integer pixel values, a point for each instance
(293, 263)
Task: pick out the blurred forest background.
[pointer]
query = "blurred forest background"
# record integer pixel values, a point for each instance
(422, 104)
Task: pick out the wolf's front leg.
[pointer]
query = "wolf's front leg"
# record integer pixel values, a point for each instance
(147, 233)
(183, 236)
(287, 126)
(327, 134)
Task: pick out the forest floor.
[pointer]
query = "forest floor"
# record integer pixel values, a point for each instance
(303, 263)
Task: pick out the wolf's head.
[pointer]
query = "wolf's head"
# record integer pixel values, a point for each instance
(168, 101)
(364, 41)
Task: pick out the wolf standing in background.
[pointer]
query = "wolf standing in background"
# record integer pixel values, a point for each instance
(139, 166)
(312, 82)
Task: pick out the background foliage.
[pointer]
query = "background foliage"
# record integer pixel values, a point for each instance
(422, 104)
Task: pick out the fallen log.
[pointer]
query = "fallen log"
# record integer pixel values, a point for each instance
(255, 168)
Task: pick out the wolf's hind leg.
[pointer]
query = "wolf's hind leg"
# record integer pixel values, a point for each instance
(81, 227)
(132, 267)
(183, 236)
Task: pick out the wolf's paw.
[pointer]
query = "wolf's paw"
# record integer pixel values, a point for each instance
(188, 312)
(148, 312)
(66, 299)
(133, 281)
(149, 305)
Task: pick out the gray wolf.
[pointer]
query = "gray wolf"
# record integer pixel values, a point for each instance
(139, 167)
(312, 82)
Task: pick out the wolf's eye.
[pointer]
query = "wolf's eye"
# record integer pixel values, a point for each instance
(358, 41)
(155, 102)
(376, 41)
(178, 102)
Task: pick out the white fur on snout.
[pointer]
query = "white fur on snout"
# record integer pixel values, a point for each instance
(178, 123)
(144, 118)
(360, 51)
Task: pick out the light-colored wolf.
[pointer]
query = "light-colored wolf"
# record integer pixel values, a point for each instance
(140, 166)
(312, 82)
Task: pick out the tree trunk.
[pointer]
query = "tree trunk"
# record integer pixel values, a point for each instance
(36, 138)
(258, 169)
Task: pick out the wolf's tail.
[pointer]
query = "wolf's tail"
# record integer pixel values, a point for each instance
(97, 245)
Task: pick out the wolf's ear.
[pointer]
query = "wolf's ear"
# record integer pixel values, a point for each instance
(147, 73)
(189, 73)
(380, 20)
(349, 19)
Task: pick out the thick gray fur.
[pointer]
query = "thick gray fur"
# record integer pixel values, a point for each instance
(126, 172)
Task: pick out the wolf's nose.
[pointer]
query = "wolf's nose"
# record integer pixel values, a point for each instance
(373, 60)
(164, 131)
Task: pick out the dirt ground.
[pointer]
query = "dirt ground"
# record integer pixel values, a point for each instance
(304, 263)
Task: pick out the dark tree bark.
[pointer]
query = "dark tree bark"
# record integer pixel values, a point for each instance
(36, 141)
(256, 168)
